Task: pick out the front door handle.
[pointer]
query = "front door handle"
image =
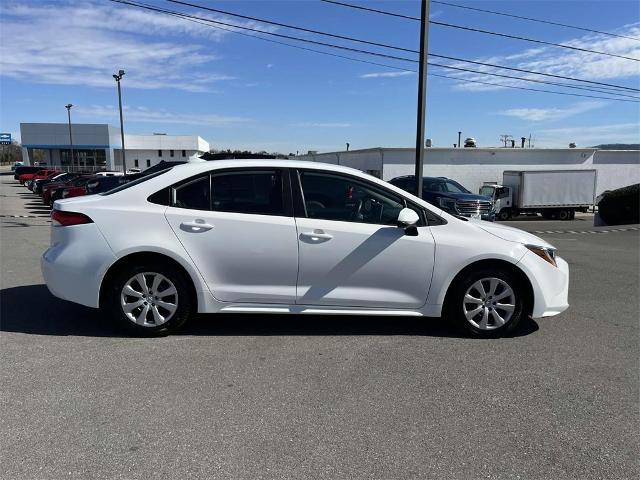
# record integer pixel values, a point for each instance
(316, 235)
(197, 226)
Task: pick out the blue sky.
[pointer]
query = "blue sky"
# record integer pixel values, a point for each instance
(239, 92)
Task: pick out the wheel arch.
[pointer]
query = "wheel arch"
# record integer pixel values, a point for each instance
(501, 264)
(137, 258)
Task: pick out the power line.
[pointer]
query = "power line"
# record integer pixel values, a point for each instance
(529, 89)
(293, 27)
(379, 44)
(195, 20)
(366, 52)
(530, 19)
(465, 7)
(479, 30)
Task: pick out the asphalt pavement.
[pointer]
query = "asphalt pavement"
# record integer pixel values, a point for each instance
(293, 397)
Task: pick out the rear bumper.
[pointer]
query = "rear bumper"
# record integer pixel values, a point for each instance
(75, 263)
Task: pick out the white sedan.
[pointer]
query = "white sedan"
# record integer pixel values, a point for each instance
(280, 236)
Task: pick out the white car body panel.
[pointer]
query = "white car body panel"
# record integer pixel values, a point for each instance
(363, 265)
(256, 255)
(408, 276)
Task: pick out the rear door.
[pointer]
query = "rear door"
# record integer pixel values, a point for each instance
(238, 227)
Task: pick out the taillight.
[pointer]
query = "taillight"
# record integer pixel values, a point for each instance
(65, 219)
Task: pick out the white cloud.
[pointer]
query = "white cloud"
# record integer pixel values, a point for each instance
(387, 74)
(75, 43)
(144, 115)
(586, 136)
(323, 125)
(559, 61)
(550, 114)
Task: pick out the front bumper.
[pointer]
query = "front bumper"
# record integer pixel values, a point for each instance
(550, 284)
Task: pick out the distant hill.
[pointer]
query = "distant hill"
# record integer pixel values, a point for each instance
(618, 146)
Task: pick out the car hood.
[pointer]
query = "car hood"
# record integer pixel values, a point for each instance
(510, 234)
(465, 196)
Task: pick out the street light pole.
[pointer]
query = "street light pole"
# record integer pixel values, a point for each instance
(422, 94)
(68, 107)
(118, 76)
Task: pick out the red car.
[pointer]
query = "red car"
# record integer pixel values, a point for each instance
(27, 177)
(55, 191)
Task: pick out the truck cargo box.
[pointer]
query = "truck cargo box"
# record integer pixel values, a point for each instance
(552, 188)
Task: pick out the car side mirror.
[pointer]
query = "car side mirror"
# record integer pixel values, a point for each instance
(408, 219)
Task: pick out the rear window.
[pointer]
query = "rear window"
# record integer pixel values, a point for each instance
(135, 182)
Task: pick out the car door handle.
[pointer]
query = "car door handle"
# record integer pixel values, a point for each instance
(317, 235)
(197, 226)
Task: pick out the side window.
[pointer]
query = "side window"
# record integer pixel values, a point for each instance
(195, 194)
(251, 191)
(336, 197)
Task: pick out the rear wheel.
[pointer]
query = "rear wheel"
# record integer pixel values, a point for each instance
(486, 303)
(564, 214)
(149, 299)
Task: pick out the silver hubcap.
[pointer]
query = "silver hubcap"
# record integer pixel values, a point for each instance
(149, 299)
(489, 303)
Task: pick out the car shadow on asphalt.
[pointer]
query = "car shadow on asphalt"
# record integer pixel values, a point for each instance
(33, 310)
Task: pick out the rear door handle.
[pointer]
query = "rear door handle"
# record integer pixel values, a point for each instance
(317, 235)
(197, 226)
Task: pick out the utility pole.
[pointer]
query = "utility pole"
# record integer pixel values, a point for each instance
(118, 76)
(68, 107)
(422, 94)
(459, 137)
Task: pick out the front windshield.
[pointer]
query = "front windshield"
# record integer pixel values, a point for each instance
(486, 191)
(454, 187)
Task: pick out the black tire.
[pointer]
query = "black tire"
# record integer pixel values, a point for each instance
(185, 303)
(564, 214)
(454, 304)
(504, 214)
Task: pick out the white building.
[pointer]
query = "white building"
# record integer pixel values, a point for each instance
(473, 166)
(99, 146)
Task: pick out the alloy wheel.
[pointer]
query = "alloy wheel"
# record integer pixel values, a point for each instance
(489, 303)
(149, 299)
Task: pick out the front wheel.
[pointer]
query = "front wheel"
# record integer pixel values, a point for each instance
(486, 303)
(149, 299)
(505, 214)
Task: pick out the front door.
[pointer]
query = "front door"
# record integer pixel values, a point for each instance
(351, 251)
(239, 232)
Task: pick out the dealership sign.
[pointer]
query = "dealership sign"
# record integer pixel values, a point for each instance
(5, 139)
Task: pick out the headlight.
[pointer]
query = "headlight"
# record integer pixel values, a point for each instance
(447, 203)
(547, 254)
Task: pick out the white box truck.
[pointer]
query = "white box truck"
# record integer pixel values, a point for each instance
(552, 193)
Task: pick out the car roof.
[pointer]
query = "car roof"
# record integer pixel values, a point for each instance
(204, 166)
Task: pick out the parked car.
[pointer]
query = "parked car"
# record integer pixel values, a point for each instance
(240, 236)
(449, 195)
(104, 184)
(39, 184)
(620, 206)
(16, 165)
(25, 169)
(55, 193)
(25, 178)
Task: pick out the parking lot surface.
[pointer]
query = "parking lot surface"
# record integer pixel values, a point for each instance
(296, 397)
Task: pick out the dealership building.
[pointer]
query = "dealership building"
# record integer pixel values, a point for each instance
(473, 166)
(99, 146)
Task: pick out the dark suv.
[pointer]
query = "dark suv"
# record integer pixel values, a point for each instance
(449, 195)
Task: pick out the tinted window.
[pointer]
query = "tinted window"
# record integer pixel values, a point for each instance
(333, 197)
(257, 192)
(454, 187)
(195, 195)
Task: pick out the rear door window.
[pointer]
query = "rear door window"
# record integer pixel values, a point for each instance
(257, 192)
